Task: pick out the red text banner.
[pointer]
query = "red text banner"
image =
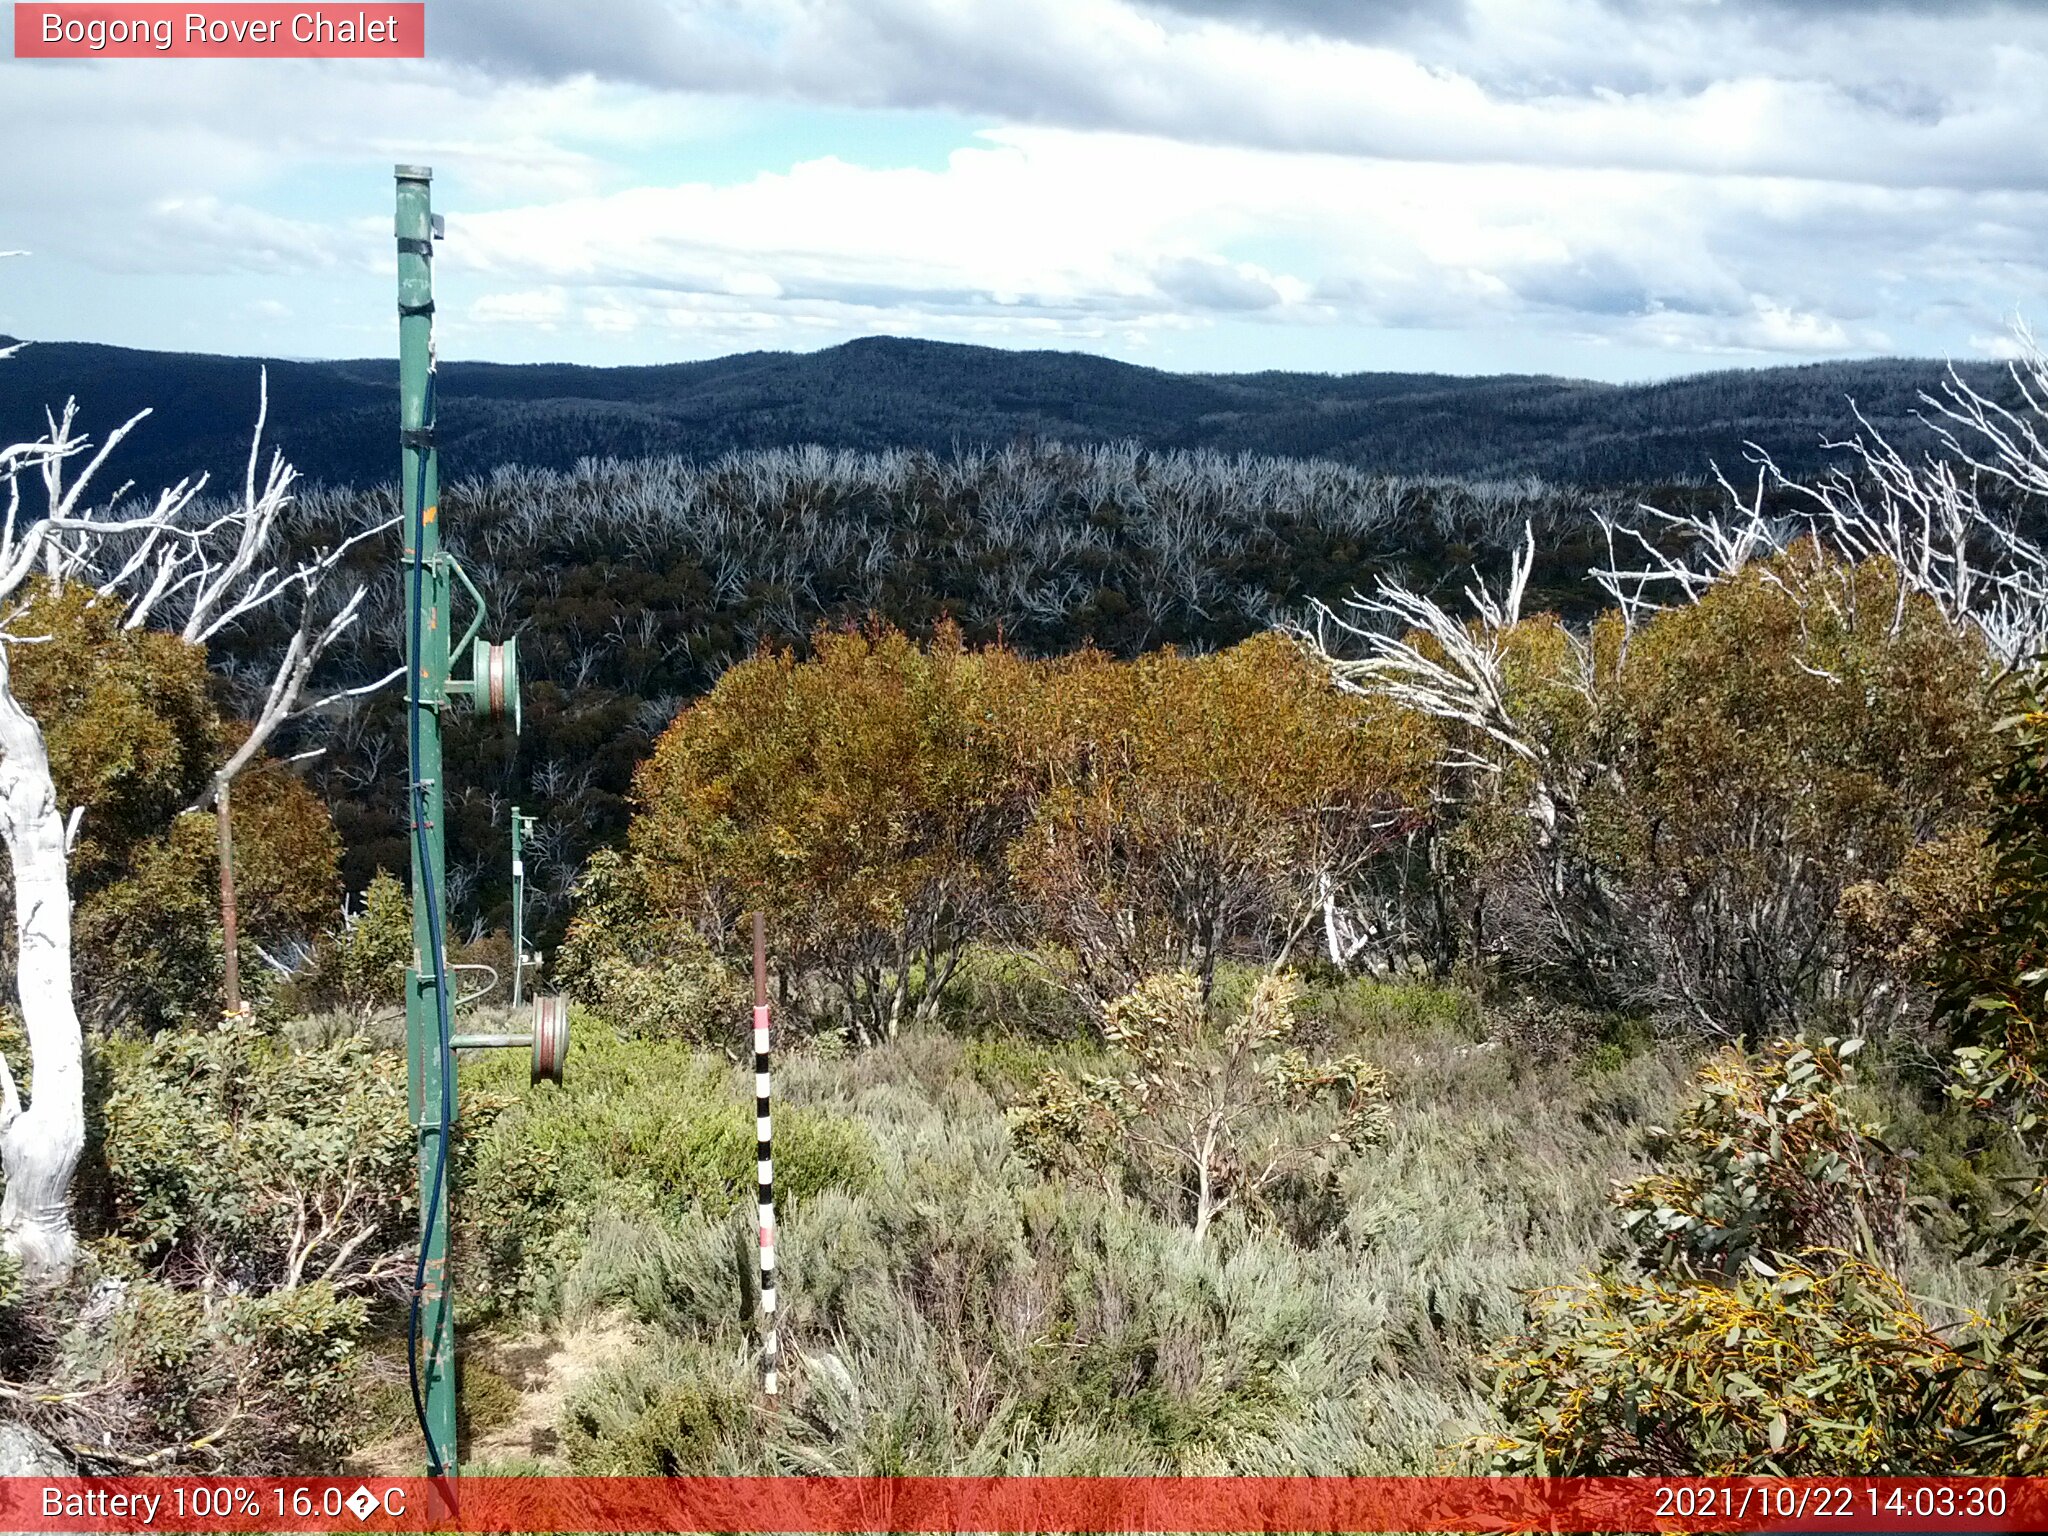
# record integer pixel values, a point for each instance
(220, 31)
(1020, 1504)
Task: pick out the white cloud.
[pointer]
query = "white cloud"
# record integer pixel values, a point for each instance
(1891, 94)
(541, 308)
(1084, 231)
(1754, 176)
(2002, 346)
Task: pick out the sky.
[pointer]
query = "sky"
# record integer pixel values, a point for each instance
(1614, 189)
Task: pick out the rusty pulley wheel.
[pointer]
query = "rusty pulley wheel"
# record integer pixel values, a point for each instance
(550, 1037)
(494, 673)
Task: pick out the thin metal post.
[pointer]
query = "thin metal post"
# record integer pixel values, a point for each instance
(518, 903)
(771, 1341)
(432, 1065)
(230, 921)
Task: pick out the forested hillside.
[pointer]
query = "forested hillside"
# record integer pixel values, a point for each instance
(336, 419)
(634, 585)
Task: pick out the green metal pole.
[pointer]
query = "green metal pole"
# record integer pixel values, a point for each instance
(432, 1066)
(518, 903)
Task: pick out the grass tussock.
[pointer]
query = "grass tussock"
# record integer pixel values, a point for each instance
(944, 1309)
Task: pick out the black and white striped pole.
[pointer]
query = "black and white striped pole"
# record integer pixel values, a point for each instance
(771, 1342)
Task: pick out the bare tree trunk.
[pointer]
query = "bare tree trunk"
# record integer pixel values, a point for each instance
(1202, 1212)
(231, 958)
(39, 1145)
(1206, 1203)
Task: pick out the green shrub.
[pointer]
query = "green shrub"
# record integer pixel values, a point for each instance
(1992, 966)
(1766, 1160)
(1004, 1067)
(251, 1382)
(151, 942)
(1413, 1007)
(375, 948)
(360, 969)
(689, 1278)
(669, 1413)
(639, 1126)
(1002, 994)
(695, 1000)
(132, 725)
(1621, 1038)
(293, 1351)
(231, 1154)
(1790, 1371)
(1760, 1329)
(641, 969)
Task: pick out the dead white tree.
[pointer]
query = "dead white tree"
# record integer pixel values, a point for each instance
(1417, 652)
(226, 569)
(1933, 519)
(1928, 517)
(1409, 647)
(40, 1142)
(159, 561)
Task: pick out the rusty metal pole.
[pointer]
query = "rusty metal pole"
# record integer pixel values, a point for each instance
(230, 919)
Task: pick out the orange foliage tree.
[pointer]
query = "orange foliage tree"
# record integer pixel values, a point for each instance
(863, 798)
(1692, 812)
(1187, 804)
(1799, 731)
(133, 734)
(886, 803)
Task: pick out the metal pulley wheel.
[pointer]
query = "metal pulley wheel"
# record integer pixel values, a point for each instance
(550, 1037)
(494, 677)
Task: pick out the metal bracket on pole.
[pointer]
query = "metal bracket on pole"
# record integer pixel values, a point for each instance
(548, 1039)
(493, 682)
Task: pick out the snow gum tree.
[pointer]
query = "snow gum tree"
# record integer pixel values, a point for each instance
(179, 563)
(1697, 806)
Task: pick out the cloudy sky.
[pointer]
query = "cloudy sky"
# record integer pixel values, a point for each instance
(1610, 188)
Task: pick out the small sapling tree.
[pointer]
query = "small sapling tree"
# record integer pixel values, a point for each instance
(1223, 1115)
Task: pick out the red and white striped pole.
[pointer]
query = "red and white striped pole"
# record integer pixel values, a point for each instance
(771, 1343)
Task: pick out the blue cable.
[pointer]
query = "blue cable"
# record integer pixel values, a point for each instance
(436, 1464)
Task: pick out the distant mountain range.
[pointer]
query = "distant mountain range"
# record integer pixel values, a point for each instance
(337, 420)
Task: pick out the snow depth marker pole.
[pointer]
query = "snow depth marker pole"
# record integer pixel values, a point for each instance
(771, 1343)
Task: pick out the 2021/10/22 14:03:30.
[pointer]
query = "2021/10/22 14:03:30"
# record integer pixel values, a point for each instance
(1747, 1500)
